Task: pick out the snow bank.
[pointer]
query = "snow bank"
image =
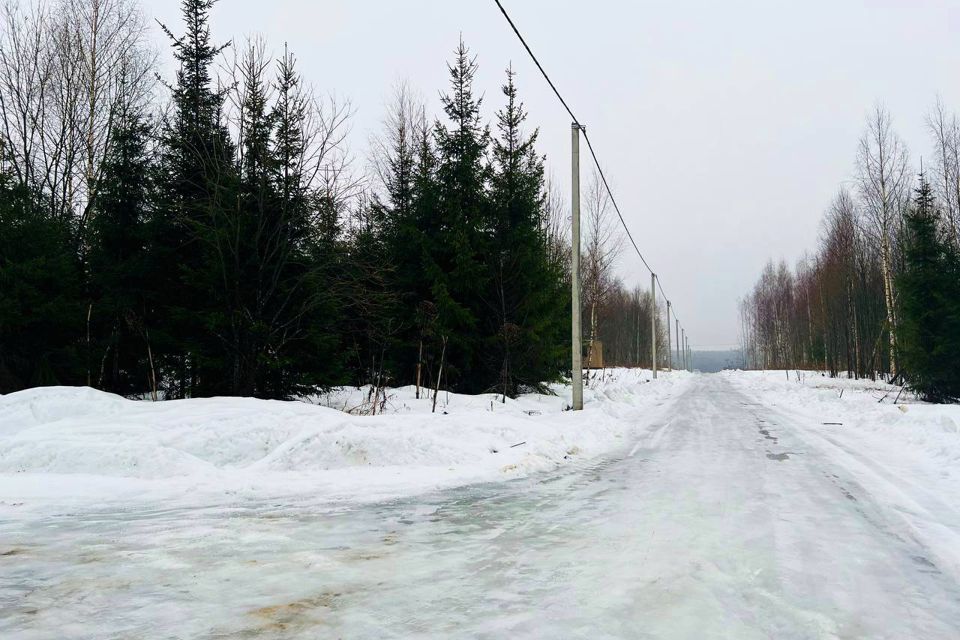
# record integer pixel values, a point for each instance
(907, 454)
(866, 411)
(61, 444)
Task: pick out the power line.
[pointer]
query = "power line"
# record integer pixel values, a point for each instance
(586, 137)
(535, 61)
(613, 200)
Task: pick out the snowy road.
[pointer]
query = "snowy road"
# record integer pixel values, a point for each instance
(726, 520)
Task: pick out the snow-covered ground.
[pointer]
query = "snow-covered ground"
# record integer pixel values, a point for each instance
(696, 506)
(871, 412)
(64, 447)
(907, 453)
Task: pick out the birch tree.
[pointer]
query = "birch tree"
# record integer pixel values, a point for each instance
(945, 131)
(884, 185)
(604, 244)
(66, 70)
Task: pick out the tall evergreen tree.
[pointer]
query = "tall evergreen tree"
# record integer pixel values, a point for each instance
(930, 303)
(41, 305)
(120, 267)
(198, 184)
(236, 238)
(456, 248)
(418, 234)
(275, 249)
(300, 254)
(393, 237)
(525, 331)
(410, 229)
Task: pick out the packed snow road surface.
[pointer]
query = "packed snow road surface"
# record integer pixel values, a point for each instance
(725, 518)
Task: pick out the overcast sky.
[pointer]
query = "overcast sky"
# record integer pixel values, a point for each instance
(725, 127)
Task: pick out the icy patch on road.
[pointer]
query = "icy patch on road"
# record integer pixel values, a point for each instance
(66, 445)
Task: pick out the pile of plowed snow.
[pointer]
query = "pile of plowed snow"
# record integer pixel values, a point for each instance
(75, 442)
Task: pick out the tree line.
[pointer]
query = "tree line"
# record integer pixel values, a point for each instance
(881, 294)
(211, 234)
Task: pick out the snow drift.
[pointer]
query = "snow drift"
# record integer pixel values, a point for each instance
(58, 443)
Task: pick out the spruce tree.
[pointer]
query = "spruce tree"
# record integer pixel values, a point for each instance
(410, 230)
(388, 246)
(41, 302)
(121, 272)
(301, 258)
(456, 242)
(525, 332)
(198, 183)
(244, 234)
(929, 303)
(277, 247)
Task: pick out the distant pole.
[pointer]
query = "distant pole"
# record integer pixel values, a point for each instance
(669, 340)
(653, 323)
(575, 330)
(683, 341)
(677, 326)
(689, 357)
(639, 324)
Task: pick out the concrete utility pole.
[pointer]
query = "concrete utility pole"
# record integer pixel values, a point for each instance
(683, 341)
(669, 340)
(639, 325)
(653, 322)
(677, 326)
(575, 330)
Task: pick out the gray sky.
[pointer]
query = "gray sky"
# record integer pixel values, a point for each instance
(725, 127)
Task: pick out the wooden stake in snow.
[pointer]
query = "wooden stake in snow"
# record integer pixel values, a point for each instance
(153, 371)
(436, 391)
(419, 365)
(898, 395)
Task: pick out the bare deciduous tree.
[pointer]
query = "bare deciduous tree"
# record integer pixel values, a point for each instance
(830, 313)
(884, 177)
(393, 152)
(66, 69)
(946, 136)
(604, 243)
(557, 224)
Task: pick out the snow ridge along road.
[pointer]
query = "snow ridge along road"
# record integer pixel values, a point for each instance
(70, 447)
(723, 519)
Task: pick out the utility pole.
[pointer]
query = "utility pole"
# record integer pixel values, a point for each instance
(653, 322)
(669, 340)
(575, 330)
(677, 327)
(689, 357)
(683, 341)
(639, 355)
